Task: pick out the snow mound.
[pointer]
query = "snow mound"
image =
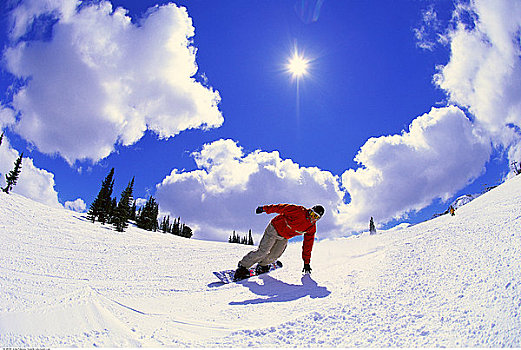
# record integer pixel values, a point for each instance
(463, 200)
(448, 282)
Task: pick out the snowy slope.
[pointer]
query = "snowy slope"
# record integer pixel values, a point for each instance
(451, 281)
(463, 200)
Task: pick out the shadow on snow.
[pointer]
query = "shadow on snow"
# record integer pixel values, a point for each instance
(275, 291)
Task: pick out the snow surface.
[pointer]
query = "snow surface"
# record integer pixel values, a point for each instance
(463, 200)
(451, 281)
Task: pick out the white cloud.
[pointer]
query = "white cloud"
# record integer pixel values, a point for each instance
(222, 194)
(442, 151)
(140, 202)
(428, 32)
(33, 183)
(78, 205)
(101, 79)
(484, 71)
(438, 156)
(29, 12)
(7, 116)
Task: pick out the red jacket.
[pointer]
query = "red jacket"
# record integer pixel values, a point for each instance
(293, 220)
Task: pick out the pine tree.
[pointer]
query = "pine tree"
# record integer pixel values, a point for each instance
(372, 228)
(100, 209)
(165, 225)
(111, 211)
(12, 178)
(237, 238)
(175, 227)
(121, 214)
(162, 226)
(250, 238)
(148, 215)
(133, 211)
(187, 232)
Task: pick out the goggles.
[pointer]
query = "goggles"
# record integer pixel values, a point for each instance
(313, 215)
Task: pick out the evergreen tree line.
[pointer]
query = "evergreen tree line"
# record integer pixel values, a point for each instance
(175, 228)
(108, 210)
(235, 238)
(12, 178)
(146, 216)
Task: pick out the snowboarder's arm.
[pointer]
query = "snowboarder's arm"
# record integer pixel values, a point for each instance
(279, 208)
(307, 246)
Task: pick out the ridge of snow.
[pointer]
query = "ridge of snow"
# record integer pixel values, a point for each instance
(463, 200)
(449, 281)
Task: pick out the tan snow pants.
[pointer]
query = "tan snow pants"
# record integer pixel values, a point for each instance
(271, 247)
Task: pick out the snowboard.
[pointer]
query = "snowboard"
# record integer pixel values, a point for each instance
(226, 276)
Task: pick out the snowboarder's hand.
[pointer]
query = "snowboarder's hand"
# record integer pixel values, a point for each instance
(259, 210)
(307, 268)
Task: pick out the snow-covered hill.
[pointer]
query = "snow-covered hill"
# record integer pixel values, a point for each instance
(451, 281)
(463, 200)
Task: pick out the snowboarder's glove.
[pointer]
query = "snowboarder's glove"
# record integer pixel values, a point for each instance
(259, 210)
(307, 268)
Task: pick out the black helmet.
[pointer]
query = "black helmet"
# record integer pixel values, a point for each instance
(318, 209)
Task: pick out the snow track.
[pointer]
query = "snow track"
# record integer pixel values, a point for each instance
(452, 281)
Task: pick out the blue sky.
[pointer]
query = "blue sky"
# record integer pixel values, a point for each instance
(195, 101)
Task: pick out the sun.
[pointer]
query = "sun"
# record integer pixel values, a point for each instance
(298, 66)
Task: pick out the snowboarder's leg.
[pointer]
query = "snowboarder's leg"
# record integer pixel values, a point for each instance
(268, 240)
(276, 252)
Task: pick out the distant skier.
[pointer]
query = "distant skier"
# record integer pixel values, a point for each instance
(452, 211)
(293, 220)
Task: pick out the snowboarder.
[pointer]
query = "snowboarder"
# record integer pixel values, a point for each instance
(293, 220)
(452, 210)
